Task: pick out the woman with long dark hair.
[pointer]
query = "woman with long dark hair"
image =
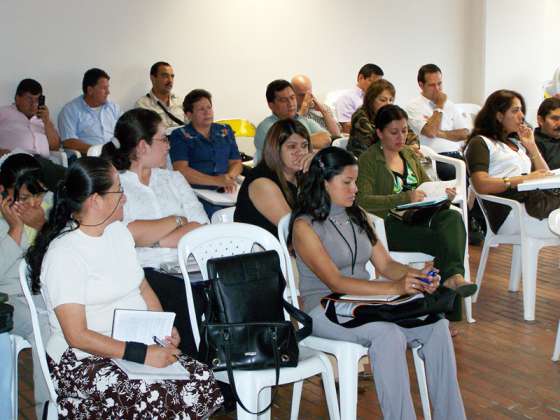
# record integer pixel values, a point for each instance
(334, 241)
(268, 193)
(390, 175)
(84, 261)
(501, 153)
(362, 131)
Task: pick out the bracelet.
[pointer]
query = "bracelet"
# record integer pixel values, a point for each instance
(135, 352)
(179, 221)
(507, 182)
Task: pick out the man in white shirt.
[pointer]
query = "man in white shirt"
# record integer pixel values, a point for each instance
(353, 98)
(160, 99)
(310, 107)
(436, 120)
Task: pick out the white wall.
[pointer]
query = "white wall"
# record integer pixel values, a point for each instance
(235, 47)
(522, 47)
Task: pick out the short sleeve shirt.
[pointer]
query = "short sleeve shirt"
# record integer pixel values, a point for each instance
(175, 108)
(77, 120)
(101, 273)
(18, 131)
(348, 103)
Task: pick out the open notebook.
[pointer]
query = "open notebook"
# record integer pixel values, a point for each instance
(142, 326)
(542, 183)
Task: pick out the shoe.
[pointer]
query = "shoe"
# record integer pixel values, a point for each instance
(460, 286)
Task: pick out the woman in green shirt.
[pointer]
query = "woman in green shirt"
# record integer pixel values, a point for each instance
(389, 174)
(362, 131)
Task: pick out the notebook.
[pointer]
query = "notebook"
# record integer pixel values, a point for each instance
(141, 326)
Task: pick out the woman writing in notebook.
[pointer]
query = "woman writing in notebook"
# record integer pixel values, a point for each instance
(84, 260)
(390, 175)
(334, 241)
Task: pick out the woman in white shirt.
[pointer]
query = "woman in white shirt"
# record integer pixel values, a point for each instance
(501, 154)
(84, 260)
(160, 208)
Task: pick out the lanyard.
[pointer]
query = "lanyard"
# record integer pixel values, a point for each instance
(354, 253)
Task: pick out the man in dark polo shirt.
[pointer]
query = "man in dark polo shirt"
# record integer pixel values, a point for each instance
(547, 134)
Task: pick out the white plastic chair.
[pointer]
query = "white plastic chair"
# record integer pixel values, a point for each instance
(95, 150)
(52, 411)
(253, 387)
(18, 344)
(554, 225)
(58, 157)
(223, 215)
(469, 111)
(341, 142)
(525, 254)
(348, 354)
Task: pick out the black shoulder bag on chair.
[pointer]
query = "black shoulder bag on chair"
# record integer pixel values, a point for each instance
(245, 328)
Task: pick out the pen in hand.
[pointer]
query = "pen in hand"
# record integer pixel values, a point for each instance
(160, 343)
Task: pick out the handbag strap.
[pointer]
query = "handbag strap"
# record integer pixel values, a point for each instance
(231, 378)
(305, 320)
(169, 114)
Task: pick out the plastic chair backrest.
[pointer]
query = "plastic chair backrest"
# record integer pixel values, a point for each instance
(221, 240)
(241, 127)
(469, 111)
(554, 221)
(223, 215)
(40, 347)
(95, 150)
(341, 142)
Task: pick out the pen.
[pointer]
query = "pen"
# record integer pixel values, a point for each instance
(162, 344)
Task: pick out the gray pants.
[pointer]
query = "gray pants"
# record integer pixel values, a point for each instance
(387, 343)
(23, 328)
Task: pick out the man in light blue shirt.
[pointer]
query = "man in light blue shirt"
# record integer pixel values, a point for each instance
(90, 118)
(282, 102)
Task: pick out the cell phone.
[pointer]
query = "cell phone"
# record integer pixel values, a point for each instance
(41, 100)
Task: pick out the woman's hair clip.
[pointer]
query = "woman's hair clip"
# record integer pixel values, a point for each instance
(116, 142)
(321, 164)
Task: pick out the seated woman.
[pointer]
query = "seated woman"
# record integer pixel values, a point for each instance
(501, 154)
(389, 176)
(23, 205)
(269, 191)
(84, 237)
(333, 241)
(160, 208)
(203, 151)
(362, 131)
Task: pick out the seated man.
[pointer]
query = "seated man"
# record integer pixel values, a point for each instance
(160, 99)
(282, 102)
(547, 134)
(90, 118)
(26, 124)
(436, 120)
(310, 107)
(203, 151)
(350, 101)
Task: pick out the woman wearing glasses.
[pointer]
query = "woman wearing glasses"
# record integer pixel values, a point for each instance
(84, 260)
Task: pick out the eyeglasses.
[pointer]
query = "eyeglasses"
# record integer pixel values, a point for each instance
(120, 191)
(164, 140)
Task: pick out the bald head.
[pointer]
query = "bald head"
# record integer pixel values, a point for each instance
(302, 85)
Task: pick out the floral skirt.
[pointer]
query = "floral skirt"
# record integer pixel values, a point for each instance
(95, 388)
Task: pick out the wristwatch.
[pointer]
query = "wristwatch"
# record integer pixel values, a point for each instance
(179, 221)
(440, 110)
(507, 182)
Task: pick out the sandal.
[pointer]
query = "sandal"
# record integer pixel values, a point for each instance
(461, 287)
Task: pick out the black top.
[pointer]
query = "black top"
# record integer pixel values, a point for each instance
(245, 211)
(549, 147)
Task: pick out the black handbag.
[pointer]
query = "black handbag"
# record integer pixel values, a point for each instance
(6, 314)
(245, 327)
(413, 313)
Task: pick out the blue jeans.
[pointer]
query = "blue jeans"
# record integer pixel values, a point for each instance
(6, 367)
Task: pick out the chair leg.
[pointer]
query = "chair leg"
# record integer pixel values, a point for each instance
(330, 390)
(296, 399)
(264, 400)
(248, 392)
(422, 384)
(482, 265)
(515, 273)
(556, 352)
(530, 252)
(348, 385)
(468, 310)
